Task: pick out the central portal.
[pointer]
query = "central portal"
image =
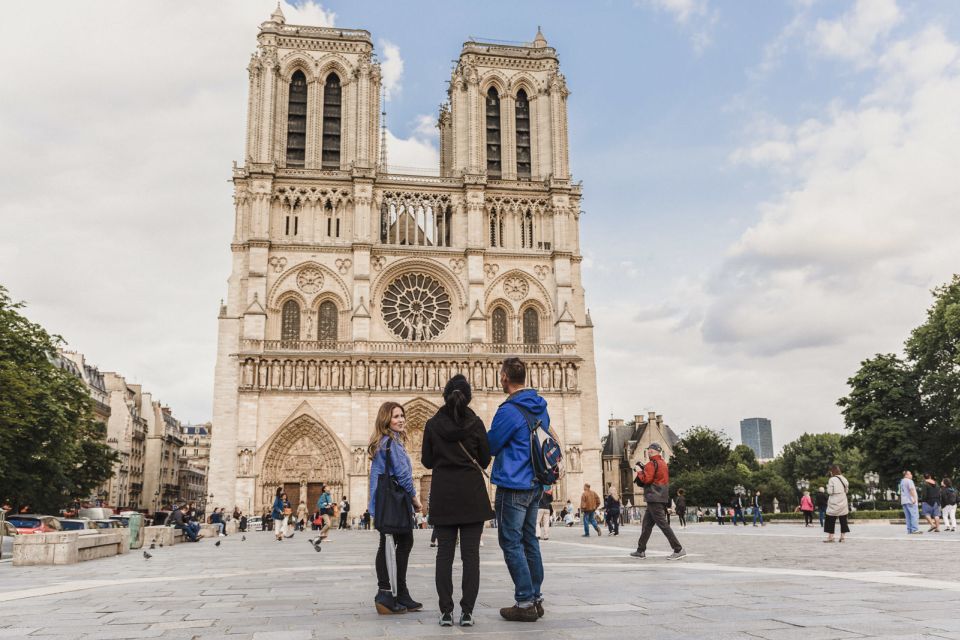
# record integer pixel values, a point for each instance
(418, 411)
(302, 457)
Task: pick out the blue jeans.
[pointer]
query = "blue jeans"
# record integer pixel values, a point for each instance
(912, 516)
(738, 513)
(756, 515)
(823, 513)
(590, 519)
(516, 511)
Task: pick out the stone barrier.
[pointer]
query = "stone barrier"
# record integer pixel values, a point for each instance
(162, 535)
(67, 547)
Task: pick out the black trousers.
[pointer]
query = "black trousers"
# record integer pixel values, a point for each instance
(613, 522)
(404, 543)
(469, 555)
(656, 513)
(808, 517)
(682, 517)
(343, 521)
(830, 525)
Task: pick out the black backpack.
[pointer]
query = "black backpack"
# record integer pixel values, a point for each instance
(546, 455)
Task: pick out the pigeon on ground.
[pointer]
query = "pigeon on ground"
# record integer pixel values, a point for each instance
(146, 556)
(217, 544)
(243, 538)
(153, 545)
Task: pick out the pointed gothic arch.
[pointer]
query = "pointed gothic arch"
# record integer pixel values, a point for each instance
(303, 452)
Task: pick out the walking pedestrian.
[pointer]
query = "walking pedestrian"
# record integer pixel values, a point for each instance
(654, 477)
(303, 514)
(325, 507)
(909, 501)
(806, 507)
(545, 513)
(389, 434)
(720, 513)
(757, 509)
(455, 446)
(611, 508)
(344, 513)
(738, 509)
(518, 493)
(948, 500)
(822, 504)
(680, 506)
(280, 513)
(931, 503)
(837, 504)
(589, 503)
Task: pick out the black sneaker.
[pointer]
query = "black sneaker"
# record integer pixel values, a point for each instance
(386, 604)
(446, 619)
(519, 614)
(466, 620)
(404, 600)
(539, 605)
(638, 554)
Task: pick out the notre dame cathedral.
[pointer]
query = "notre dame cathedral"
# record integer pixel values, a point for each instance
(352, 284)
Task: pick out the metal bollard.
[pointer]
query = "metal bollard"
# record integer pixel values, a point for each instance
(135, 523)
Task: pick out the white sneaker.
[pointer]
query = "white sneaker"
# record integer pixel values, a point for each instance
(222, 535)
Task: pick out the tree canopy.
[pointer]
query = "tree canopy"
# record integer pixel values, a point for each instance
(51, 448)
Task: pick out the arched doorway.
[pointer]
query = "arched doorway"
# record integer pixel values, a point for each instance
(301, 457)
(418, 411)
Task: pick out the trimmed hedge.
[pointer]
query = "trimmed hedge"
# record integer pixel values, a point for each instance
(866, 514)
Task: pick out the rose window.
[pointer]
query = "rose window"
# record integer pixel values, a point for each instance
(416, 307)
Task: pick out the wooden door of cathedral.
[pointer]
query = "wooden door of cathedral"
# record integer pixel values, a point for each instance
(292, 489)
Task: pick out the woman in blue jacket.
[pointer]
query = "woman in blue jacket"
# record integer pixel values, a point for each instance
(279, 519)
(390, 428)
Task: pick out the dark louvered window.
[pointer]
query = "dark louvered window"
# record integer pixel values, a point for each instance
(327, 325)
(290, 321)
(331, 122)
(523, 135)
(493, 133)
(297, 120)
(531, 326)
(499, 322)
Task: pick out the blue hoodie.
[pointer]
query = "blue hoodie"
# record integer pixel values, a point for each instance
(509, 439)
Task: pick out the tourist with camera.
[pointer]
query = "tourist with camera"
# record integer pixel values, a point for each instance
(654, 477)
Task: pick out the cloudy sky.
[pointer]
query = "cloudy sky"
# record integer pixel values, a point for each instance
(770, 188)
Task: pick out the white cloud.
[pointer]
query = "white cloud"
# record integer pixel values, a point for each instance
(854, 34)
(309, 13)
(413, 152)
(681, 10)
(696, 16)
(391, 66)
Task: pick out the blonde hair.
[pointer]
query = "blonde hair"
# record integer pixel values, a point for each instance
(382, 427)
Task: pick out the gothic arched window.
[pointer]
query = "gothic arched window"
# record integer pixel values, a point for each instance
(526, 230)
(331, 123)
(297, 120)
(499, 324)
(523, 135)
(493, 133)
(327, 322)
(290, 321)
(531, 326)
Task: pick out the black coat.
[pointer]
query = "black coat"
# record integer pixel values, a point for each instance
(458, 493)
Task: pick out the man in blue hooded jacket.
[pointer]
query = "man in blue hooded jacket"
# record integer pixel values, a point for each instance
(518, 493)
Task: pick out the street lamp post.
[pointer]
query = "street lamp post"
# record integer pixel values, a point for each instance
(802, 485)
(872, 480)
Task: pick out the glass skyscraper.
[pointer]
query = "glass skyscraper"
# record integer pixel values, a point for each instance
(757, 433)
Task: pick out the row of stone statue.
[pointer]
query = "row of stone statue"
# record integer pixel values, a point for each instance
(389, 375)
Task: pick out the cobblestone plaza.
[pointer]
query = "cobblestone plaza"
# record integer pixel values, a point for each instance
(776, 582)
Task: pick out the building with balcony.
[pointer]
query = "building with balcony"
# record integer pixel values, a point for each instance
(161, 469)
(353, 283)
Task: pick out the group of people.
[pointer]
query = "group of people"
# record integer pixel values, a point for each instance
(459, 449)
(934, 500)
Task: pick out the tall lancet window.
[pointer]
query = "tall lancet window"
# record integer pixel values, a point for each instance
(327, 322)
(499, 325)
(331, 123)
(523, 135)
(290, 321)
(531, 326)
(493, 133)
(297, 120)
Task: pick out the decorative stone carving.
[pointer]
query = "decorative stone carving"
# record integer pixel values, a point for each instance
(360, 460)
(278, 264)
(541, 270)
(491, 270)
(416, 307)
(310, 280)
(516, 288)
(573, 457)
(343, 265)
(378, 262)
(245, 463)
(456, 265)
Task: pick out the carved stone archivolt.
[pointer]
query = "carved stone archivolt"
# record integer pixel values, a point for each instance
(303, 451)
(304, 374)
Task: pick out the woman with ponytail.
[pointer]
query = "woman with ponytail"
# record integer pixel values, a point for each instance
(455, 446)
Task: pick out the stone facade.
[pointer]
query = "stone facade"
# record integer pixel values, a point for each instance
(161, 472)
(352, 285)
(127, 431)
(624, 445)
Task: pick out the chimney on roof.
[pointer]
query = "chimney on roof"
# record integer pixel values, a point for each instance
(615, 422)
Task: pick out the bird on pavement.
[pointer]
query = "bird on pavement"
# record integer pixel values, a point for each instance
(243, 538)
(217, 544)
(146, 556)
(153, 545)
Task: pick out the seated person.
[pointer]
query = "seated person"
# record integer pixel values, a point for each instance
(176, 519)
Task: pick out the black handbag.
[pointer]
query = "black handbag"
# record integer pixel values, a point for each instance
(394, 508)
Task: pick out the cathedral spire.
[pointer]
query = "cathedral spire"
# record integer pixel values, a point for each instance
(277, 15)
(539, 41)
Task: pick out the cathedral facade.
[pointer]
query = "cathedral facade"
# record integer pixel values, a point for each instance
(352, 285)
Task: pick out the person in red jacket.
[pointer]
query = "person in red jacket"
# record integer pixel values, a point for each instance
(654, 477)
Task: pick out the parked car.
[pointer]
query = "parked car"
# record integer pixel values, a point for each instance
(106, 524)
(30, 523)
(123, 521)
(253, 523)
(6, 540)
(95, 513)
(76, 524)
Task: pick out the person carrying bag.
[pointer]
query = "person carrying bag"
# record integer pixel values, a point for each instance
(393, 500)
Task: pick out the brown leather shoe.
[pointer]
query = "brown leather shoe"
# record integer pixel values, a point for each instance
(539, 606)
(517, 614)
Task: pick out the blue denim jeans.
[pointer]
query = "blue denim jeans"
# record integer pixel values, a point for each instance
(823, 513)
(516, 511)
(912, 516)
(590, 520)
(738, 513)
(757, 515)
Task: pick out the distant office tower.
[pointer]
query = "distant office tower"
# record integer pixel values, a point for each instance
(757, 433)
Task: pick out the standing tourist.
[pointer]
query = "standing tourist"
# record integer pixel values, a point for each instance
(822, 504)
(281, 509)
(680, 506)
(948, 501)
(720, 513)
(344, 511)
(837, 504)
(544, 514)
(757, 509)
(325, 507)
(302, 515)
(654, 477)
(931, 503)
(909, 501)
(589, 503)
(806, 508)
(455, 446)
(518, 493)
(389, 434)
(611, 509)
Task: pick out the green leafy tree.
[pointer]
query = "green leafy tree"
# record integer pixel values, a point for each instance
(51, 448)
(811, 455)
(700, 448)
(771, 485)
(743, 454)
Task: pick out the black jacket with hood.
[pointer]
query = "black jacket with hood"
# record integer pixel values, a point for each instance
(458, 493)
